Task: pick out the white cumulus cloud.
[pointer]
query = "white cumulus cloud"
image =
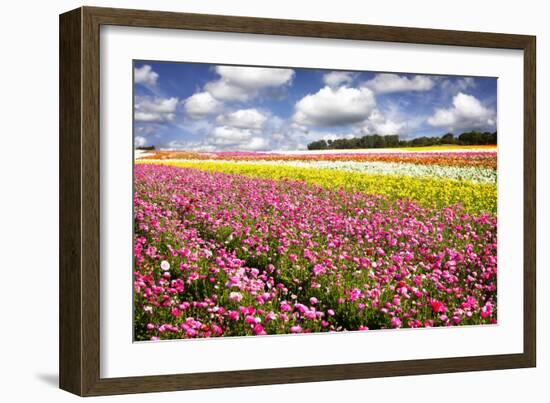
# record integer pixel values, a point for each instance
(377, 123)
(243, 83)
(139, 141)
(467, 113)
(226, 138)
(334, 107)
(459, 85)
(243, 119)
(255, 144)
(225, 91)
(255, 77)
(147, 109)
(336, 78)
(388, 82)
(145, 76)
(225, 135)
(189, 146)
(201, 104)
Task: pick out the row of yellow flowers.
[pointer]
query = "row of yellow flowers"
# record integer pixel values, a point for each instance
(429, 192)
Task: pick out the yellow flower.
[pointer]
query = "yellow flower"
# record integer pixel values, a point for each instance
(430, 192)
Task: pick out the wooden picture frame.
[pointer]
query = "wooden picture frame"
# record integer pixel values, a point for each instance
(79, 346)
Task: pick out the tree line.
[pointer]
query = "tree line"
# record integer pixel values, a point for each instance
(393, 141)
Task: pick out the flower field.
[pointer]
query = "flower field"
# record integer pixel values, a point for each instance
(234, 244)
(470, 158)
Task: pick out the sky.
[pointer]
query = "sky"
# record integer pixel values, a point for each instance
(206, 107)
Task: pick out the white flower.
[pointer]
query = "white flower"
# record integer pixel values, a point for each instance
(164, 265)
(474, 174)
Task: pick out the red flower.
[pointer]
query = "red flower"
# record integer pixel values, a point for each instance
(438, 306)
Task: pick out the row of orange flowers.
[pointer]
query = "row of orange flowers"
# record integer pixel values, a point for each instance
(485, 159)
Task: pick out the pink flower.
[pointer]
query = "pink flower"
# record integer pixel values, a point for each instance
(217, 330)
(300, 307)
(258, 330)
(233, 315)
(285, 307)
(414, 323)
(487, 310)
(270, 316)
(395, 322)
(309, 315)
(296, 329)
(313, 300)
(318, 270)
(235, 296)
(469, 303)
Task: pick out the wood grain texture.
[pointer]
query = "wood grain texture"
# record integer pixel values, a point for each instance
(304, 374)
(70, 271)
(80, 200)
(530, 202)
(90, 202)
(316, 29)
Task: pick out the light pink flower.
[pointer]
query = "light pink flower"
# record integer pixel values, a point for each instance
(235, 296)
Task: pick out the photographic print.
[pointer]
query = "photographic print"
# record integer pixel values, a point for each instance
(272, 200)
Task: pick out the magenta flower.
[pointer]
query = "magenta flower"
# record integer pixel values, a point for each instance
(259, 330)
(285, 307)
(487, 310)
(395, 322)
